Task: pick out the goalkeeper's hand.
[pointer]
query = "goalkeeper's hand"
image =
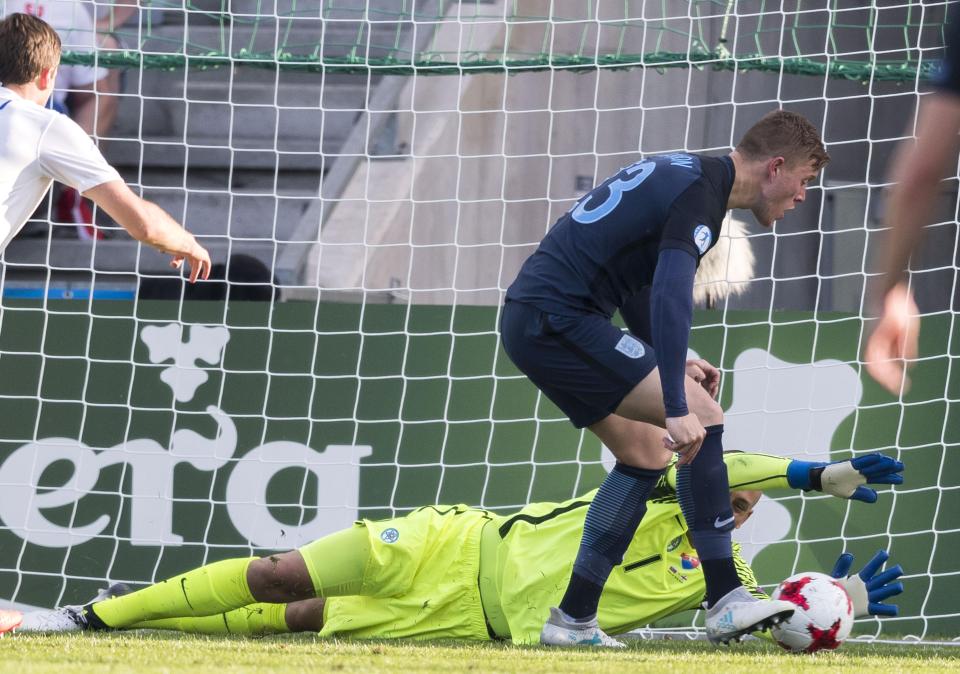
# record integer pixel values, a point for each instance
(846, 479)
(867, 589)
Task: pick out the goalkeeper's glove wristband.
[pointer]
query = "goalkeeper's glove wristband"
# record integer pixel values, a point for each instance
(857, 590)
(838, 479)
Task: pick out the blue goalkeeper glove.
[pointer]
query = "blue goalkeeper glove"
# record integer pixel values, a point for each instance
(846, 479)
(868, 589)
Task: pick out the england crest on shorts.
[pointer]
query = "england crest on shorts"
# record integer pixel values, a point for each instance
(630, 346)
(702, 237)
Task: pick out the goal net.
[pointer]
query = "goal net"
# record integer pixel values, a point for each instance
(369, 175)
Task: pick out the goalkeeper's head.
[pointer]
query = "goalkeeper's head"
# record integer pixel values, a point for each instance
(775, 161)
(29, 55)
(742, 502)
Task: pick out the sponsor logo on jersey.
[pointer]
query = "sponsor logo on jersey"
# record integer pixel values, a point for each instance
(689, 562)
(390, 535)
(682, 577)
(702, 237)
(631, 347)
(674, 544)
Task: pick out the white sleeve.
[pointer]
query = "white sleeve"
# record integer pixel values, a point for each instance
(68, 155)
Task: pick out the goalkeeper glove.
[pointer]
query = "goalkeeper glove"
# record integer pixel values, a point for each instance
(846, 479)
(867, 590)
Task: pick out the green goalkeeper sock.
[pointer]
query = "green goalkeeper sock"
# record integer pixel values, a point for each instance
(210, 590)
(253, 620)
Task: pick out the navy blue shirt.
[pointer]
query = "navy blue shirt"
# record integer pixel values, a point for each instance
(948, 78)
(604, 250)
(602, 255)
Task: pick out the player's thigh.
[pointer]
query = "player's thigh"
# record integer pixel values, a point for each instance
(645, 402)
(584, 364)
(634, 443)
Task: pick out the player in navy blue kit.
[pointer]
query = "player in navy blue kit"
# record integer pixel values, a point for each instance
(633, 244)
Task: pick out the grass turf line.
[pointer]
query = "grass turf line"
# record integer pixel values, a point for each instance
(162, 652)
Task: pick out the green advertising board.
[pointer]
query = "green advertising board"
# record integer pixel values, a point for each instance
(144, 438)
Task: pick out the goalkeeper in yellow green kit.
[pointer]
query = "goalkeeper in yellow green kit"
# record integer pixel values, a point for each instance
(454, 572)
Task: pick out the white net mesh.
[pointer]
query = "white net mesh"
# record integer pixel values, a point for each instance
(373, 174)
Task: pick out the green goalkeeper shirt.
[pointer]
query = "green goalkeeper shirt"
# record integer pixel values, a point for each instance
(660, 574)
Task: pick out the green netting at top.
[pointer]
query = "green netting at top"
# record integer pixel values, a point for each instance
(898, 41)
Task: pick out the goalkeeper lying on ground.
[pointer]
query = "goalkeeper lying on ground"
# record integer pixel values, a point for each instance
(464, 573)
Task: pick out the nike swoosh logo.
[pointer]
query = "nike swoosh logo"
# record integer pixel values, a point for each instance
(718, 524)
(183, 588)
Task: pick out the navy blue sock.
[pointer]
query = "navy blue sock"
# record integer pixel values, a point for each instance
(611, 521)
(723, 575)
(704, 494)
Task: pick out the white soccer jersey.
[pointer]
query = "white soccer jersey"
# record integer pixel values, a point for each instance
(38, 146)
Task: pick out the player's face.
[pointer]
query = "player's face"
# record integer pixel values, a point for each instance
(785, 187)
(743, 502)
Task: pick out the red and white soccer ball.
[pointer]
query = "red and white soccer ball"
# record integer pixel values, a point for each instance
(824, 615)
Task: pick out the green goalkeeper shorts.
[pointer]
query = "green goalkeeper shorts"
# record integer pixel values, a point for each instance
(419, 580)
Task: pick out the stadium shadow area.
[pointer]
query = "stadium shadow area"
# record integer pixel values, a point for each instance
(243, 278)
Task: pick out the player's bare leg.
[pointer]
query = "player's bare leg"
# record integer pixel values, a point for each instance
(258, 619)
(640, 463)
(611, 522)
(210, 590)
(703, 492)
(305, 615)
(281, 578)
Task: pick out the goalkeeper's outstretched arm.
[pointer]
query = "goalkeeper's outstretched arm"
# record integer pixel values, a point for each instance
(845, 479)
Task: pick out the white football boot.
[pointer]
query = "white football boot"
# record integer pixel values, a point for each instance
(559, 631)
(66, 619)
(738, 613)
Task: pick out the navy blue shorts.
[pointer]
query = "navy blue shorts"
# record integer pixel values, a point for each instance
(585, 364)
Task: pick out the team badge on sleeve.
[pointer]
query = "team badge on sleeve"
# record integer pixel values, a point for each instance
(390, 535)
(702, 237)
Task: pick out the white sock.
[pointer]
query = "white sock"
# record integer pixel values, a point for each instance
(561, 617)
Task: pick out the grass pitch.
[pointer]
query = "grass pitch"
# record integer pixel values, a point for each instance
(161, 652)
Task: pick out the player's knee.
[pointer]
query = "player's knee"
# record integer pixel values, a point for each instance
(644, 455)
(305, 616)
(707, 409)
(261, 577)
(279, 578)
(659, 459)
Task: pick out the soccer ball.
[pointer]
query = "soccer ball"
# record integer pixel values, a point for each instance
(824, 615)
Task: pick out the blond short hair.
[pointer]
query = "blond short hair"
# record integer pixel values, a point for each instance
(784, 134)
